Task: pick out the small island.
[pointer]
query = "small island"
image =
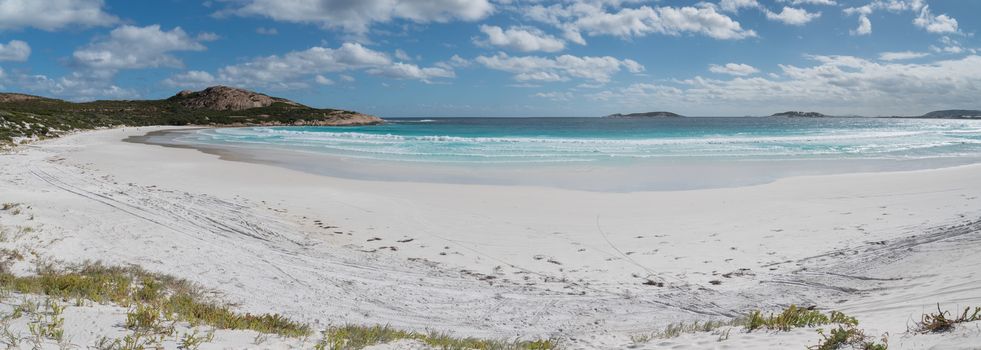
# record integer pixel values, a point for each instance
(658, 114)
(799, 114)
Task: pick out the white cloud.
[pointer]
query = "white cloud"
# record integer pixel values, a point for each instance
(833, 82)
(523, 39)
(561, 68)
(902, 55)
(76, 86)
(130, 47)
(664, 20)
(736, 5)
(555, 96)
(266, 31)
(811, 2)
(322, 80)
(294, 69)
(358, 16)
(864, 26)
(935, 24)
(401, 70)
(15, 50)
(402, 55)
(192, 78)
(925, 18)
(948, 45)
(593, 18)
(53, 14)
(737, 69)
(792, 16)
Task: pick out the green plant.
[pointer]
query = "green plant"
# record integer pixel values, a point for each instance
(358, 337)
(848, 335)
(795, 317)
(166, 296)
(192, 341)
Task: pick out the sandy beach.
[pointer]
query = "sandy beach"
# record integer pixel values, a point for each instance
(590, 269)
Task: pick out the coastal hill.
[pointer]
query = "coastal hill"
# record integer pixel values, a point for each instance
(222, 98)
(799, 114)
(31, 117)
(15, 97)
(659, 114)
(954, 114)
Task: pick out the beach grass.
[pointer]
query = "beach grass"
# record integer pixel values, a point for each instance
(156, 302)
(151, 295)
(358, 337)
(942, 321)
(675, 330)
(849, 336)
(796, 317)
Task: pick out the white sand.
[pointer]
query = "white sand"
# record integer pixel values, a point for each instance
(509, 261)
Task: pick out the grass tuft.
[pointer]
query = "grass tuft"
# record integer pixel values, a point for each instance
(795, 317)
(151, 295)
(358, 337)
(848, 336)
(943, 322)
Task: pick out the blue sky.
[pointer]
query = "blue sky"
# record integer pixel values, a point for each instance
(424, 58)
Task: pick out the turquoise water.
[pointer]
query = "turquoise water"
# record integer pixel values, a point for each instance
(613, 141)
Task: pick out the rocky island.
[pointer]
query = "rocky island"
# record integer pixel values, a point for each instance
(659, 114)
(799, 114)
(31, 117)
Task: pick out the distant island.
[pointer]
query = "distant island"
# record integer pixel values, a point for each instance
(658, 114)
(25, 116)
(799, 114)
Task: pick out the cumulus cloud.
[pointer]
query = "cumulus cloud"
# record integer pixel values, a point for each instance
(950, 46)
(77, 86)
(523, 39)
(399, 70)
(131, 47)
(842, 82)
(596, 18)
(864, 26)
(811, 2)
(15, 50)
(322, 80)
(902, 55)
(736, 5)
(558, 96)
(53, 14)
(925, 19)
(295, 69)
(561, 68)
(935, 23)
(126, 47)
(792, 16)
(358, 16)
(737, 69)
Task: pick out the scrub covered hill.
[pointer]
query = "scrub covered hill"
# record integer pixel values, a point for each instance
(32, 117)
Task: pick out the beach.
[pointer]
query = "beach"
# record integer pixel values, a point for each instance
(588, 268)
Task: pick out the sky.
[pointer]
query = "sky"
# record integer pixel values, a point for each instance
(516, 58)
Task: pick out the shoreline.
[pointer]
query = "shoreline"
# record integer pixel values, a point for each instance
(648, 176)
(506, 261)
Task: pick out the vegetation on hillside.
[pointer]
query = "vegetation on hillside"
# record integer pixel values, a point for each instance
(38, 117)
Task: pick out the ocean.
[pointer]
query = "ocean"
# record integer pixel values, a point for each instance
(638, 154)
